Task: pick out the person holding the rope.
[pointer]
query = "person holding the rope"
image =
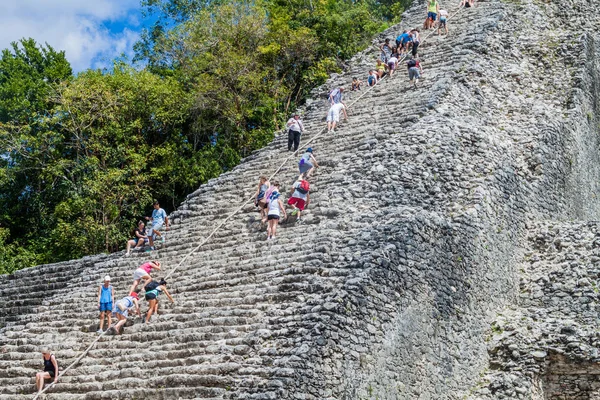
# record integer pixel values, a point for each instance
(295, 130)
(159, 219)
(433, 8)
(414, 70)
(106, 298)
(50, 370)
(153, 289)
(307, 164)
(122, 307)
(443, 21)
(333, 116)
(143, 273)
(260, 199)
(392, 64)
(275, 209)
(139, 238)
(300, 197)
(403, 42)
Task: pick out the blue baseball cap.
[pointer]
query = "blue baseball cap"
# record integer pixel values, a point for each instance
(309, 150)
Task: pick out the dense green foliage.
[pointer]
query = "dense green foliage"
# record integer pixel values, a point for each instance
(83, 156)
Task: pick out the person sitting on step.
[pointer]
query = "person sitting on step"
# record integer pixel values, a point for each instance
(356, 84)
(50, 370)
(106, 298)
(372, 79)
(300, 197)
(159, 219)
(153, 289)
(139, 238)
(122, 307)
(275, 209)
(380, 69)
(260, 200)
(307, 163)
(143, 273)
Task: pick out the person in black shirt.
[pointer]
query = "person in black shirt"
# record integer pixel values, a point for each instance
(50, 370)
(139, 238)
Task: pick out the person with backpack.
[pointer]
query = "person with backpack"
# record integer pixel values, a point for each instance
(153, 289)
(143, 273)
(307, 164)
(295, 129)
(300, 197)
(50, 370)
(139, 238)
(433, 9)
(276, 208)
(260, 200)
(122, 307)
(414, 70)
(106, 298)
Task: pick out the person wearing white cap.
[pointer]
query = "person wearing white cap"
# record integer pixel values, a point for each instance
(106, 298)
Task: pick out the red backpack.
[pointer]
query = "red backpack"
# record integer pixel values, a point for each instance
(304, 186)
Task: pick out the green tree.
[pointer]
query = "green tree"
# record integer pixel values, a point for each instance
(28, 73)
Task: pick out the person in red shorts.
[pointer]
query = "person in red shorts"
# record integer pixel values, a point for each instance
(300, 197)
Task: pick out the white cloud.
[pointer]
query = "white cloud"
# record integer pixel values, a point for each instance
(76, 26)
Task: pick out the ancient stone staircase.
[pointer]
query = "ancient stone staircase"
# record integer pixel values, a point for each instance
(376, 294)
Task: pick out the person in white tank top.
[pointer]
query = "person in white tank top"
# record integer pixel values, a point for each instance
(276, 208)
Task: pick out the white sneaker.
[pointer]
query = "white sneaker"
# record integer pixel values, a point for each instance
(99, 331)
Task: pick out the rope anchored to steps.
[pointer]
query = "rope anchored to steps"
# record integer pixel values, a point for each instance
(237, 210)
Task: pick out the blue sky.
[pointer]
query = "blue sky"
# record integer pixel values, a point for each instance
(92, 32)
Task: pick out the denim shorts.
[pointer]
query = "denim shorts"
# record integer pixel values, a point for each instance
(106, 307)
(432, 15)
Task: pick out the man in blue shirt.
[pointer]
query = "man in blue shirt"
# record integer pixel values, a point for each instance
(159, 219)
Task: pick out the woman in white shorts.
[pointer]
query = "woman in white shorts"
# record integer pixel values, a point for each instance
(143, 273)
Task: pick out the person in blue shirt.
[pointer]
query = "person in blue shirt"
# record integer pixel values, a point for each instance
(106, 298)
(403, 42)
(159, 219)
